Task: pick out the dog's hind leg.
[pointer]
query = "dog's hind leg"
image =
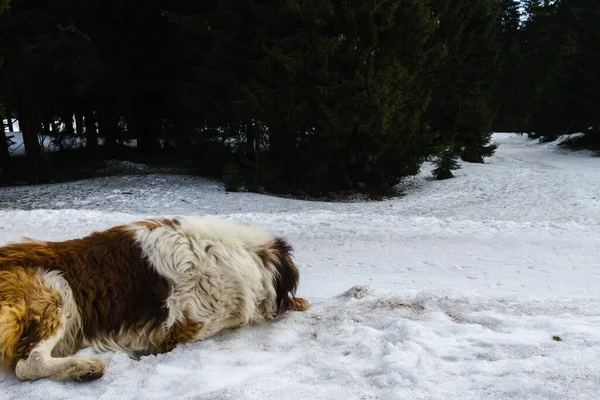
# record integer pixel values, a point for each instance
(40, 323)
(40, 364)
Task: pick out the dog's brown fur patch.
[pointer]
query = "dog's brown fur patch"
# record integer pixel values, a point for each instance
(279, 254)
(152, 224)
(29, 313)
(182, 332)
(114, 286)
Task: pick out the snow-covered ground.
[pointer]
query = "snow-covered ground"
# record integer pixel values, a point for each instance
(453, 291)
(15, 125)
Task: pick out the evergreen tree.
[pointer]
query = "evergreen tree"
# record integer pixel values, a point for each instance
(300, 95)
(463, 104)
(585, 93)
(541, 71)
(510, 93)
(564, 97)
(132, 72)
(41, 50)
(4, 150)
(327, 95)
(385, 58)
(445, 163)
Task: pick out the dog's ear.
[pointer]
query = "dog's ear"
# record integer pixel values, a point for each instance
(286, 277)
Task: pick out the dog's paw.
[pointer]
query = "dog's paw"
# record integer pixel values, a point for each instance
(81, 369)
(299, 304)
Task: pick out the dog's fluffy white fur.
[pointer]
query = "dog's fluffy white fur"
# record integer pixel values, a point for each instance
(215, 271)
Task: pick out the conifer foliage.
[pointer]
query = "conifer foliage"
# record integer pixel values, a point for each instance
(445, 164)
(463, 106)
(551, 83)
(295, 96)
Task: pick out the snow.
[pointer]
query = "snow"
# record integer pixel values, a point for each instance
(453, 291)
(15, 125)
(17, 147)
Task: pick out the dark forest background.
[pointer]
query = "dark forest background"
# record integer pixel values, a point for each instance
(295, 96)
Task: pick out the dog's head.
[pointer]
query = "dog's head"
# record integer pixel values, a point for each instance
(286, 277)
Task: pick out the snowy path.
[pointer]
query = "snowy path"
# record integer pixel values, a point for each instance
(337, 251)
(453, 265)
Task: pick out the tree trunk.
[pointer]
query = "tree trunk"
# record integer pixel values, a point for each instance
(68, 121)
(11, 129)
(251, 145)
(91, 131)
(173, 129)
(52, 131)
(148, 136)
(282, 149)
(79, 124)
(107, 128)
(29, 125)
(4, 151)
(146, 126)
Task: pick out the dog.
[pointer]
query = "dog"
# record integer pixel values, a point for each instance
(140, 288)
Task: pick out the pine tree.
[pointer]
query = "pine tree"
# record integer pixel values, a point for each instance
(542, 71)
(133, 71)
(512, 86)
(445, 163)
(295, 96)
(385, 118)
(4, 150)
(564, 96)
(44, 65)
(313, 95)
(463, 106)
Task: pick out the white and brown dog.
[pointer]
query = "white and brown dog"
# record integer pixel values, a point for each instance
(140, 288)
